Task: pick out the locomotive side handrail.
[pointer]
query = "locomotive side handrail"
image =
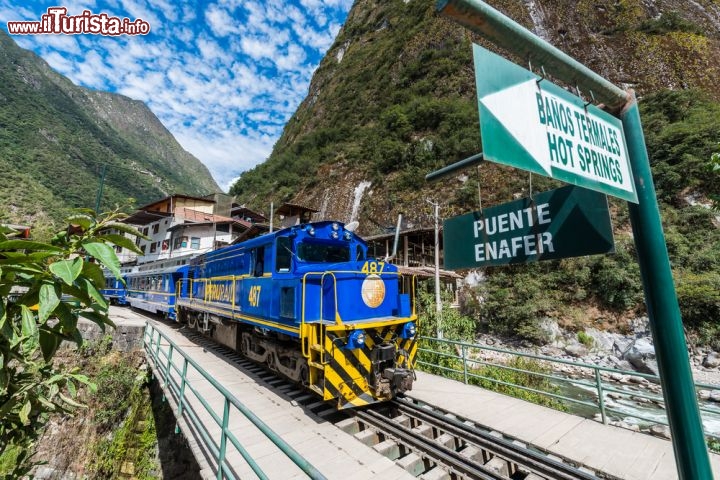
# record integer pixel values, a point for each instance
(161, 349)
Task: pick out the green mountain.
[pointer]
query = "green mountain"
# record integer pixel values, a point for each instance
(394, 99)
(55, 138)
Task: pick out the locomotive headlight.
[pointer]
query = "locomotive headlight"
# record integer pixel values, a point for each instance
(311, 231)
(334, 235)
(347, 236)
(335, 226)
(373, 291)
(408, 330)
(355, 339)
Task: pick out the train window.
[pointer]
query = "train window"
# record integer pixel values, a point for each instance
(283, 254)
(316, 252)
(258, 262)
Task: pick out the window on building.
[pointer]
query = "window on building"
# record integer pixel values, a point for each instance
(223, 227)
(118, 248)
(153, 247)
(142, 248)
(165, 245)
(145, 231)
(156, 228)
(195, 242)
(184, 242)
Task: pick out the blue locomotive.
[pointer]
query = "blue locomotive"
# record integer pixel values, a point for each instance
(306, 301)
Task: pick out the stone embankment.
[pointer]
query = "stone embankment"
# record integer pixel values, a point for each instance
(629, 353)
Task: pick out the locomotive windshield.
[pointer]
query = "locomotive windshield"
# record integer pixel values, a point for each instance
(316, 252)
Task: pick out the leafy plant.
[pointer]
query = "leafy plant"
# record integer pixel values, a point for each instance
(44, 289)
(585, 339)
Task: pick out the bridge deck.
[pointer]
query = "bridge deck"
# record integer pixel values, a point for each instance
(333, 452)
(613, 450)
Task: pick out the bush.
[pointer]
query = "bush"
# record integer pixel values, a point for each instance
(585, 339)
(496, 374)
(115, 382)
(699, 298)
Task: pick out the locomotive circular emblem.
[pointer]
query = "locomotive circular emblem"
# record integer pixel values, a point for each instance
(373, 291)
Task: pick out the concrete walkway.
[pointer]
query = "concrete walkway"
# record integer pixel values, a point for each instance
(616, 451)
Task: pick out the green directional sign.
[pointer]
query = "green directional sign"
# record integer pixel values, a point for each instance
(566, 222)
(529, 123)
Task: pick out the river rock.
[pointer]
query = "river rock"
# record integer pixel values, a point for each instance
(576, 350)
(642, 356)
(662, 431)
(711, 360)
(551, 329)
(638, 380)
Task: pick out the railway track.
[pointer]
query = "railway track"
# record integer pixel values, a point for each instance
(428, 442)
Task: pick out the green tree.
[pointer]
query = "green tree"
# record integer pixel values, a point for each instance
(44, 289)
(714, 167)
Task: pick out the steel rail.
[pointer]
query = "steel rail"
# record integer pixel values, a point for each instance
(536, 462)
(425, 446)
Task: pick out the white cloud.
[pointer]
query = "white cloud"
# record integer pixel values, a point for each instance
(220, 20)
(226, 155)
(223, 77)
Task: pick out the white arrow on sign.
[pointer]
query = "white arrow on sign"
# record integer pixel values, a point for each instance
(516, 110)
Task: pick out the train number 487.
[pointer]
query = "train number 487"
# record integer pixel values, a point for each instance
(370, 268)
(254, 296)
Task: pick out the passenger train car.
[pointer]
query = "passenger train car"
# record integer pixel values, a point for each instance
(114, 289)
(306, 301)
(151, 286)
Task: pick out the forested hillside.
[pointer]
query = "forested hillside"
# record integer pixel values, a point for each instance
(55, 137)
(394, 99)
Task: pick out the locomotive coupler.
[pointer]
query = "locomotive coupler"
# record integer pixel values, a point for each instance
(401, 379)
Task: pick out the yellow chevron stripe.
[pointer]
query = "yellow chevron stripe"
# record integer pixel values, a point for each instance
(346, 392)
(339, 355)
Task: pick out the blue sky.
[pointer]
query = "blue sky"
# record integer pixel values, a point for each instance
(223, 76)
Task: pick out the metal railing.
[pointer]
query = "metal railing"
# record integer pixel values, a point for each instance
(176, 382)
(465, 364)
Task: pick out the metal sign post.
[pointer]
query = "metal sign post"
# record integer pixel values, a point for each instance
(691, 452)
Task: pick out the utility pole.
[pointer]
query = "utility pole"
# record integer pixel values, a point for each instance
(100, 189)
(438, 301)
